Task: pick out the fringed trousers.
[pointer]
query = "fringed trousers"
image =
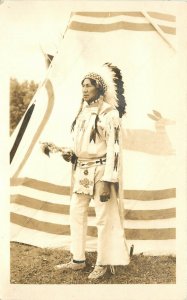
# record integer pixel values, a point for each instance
(111, 243)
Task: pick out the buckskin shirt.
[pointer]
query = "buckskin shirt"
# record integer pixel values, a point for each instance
(90, 146)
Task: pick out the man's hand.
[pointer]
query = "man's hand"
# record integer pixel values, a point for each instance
(104, 190)
(67, 154)
(67, 157)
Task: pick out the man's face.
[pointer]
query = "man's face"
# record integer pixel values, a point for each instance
(89, 91)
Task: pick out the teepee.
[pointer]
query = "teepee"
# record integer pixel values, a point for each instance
(142, 45)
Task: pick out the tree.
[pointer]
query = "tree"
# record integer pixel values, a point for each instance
(20, 97)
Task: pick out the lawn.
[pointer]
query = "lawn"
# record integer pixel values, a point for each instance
(33, 265)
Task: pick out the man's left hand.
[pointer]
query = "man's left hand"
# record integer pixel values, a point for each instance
(104, 190)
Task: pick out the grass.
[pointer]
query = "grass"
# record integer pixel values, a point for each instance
(33, 265)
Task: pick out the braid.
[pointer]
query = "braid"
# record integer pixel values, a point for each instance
(97, 118)
(74, 122)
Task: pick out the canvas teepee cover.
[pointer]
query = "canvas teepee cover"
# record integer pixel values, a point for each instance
(141, 44)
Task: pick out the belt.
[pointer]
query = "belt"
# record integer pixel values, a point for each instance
(99, 161)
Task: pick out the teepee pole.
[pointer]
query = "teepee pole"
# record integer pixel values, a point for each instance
(157, 28)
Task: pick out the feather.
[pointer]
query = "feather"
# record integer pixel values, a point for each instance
(119, 88)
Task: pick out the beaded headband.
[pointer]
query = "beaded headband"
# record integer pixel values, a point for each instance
(97, 77)
(110, 78)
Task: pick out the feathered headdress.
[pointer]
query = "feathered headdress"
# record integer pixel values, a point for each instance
(110, 78)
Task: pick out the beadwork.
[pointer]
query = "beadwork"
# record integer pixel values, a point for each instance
(97, 77)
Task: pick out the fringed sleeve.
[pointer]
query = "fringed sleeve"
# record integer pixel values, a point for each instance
(112, 134)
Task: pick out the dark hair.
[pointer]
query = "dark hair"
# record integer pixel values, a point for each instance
(100, 93)
(95, 83)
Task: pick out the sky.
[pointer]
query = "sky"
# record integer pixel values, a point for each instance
(27, 29)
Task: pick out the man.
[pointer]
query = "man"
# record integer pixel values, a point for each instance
(96, 171)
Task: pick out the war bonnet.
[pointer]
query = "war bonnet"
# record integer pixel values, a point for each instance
(109, 77)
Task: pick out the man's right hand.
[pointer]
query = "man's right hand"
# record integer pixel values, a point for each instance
(67, 153)
(67, 157)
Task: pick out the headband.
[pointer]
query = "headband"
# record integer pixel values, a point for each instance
(110, 78)
(98, 78)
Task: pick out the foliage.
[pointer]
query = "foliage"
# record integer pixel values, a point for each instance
(20, 97)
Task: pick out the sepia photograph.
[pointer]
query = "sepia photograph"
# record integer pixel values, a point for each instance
(95, 183)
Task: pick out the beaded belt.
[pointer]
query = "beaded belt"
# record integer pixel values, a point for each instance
(90, 163)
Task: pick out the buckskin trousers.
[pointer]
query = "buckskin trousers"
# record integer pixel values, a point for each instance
(111, 244)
